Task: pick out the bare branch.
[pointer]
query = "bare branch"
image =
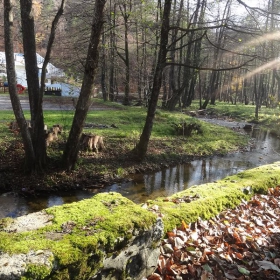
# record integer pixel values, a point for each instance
(256, 8)
(226, 50)
(210, 68)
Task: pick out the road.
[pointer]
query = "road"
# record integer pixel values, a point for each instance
(50, 103)
(60, 103)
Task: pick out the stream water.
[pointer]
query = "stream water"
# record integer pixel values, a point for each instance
(266, 149)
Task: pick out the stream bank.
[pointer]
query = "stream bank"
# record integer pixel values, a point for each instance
(110, 167)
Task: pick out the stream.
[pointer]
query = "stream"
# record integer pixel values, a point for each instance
(141, 187)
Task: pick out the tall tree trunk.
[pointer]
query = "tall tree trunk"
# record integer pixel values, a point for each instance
(32, 75)
(245, 85)
(149, 75)
(139, 61)
(125, 57)
(256, 98)
(72, 146)
(142, 146)
(127, 66)
(103, 70)
(112, 46)
(11, 74)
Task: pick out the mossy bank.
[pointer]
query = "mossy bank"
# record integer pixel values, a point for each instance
(98, 237)
(205, 201)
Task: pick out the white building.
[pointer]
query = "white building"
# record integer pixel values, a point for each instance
(52, 71)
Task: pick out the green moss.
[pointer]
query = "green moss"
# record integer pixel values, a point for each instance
(5, 222)
(80, 234)
(38, 272)
(215, 197)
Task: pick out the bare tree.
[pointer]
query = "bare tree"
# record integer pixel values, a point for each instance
(34, 136)
(142, 146)
(10, 65)
(72, 146)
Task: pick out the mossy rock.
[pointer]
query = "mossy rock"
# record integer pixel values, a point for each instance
(73, 239)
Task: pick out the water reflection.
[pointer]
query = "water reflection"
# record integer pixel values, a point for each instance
(163, 183)
(266, 150)
(12, 205)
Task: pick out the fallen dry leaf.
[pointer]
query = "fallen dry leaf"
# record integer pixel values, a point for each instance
(238, 244)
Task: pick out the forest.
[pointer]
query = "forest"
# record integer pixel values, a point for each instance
(224, 50)
(163, 53)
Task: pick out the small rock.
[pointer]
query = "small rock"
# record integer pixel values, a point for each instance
(39, 252)
(167, 248)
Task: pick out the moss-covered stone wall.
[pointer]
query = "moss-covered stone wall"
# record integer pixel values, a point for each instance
(73, 240)
(109, 236)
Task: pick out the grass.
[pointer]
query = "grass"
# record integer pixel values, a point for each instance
(130, 122)
(165, 146)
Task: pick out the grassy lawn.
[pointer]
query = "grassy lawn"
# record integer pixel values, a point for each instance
(130, 121)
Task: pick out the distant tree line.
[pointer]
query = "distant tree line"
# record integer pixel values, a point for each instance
(216, 50)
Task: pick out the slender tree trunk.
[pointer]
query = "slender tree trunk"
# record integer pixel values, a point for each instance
(150, 75)
(256, 99)
(103, 71)
(49, 48)
(127, 66)
(245, 85)
(112, 51)
(72, 146)
(32, 75)
(139, 62)
(10, 66)
(125, 58)
(142, 146)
